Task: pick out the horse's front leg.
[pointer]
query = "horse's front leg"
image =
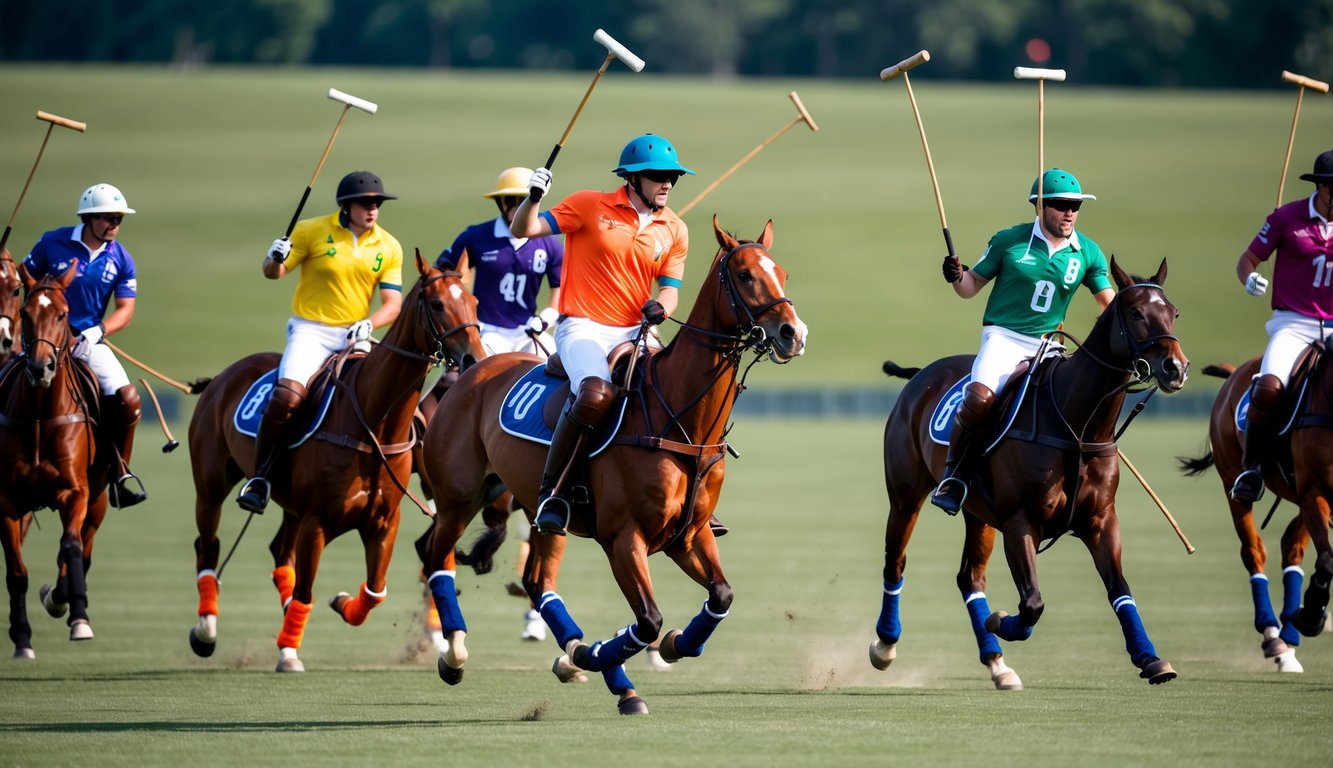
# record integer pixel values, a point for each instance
(978, 543)
(377, 538)
(438, 563)
(1020, 550)
(904, 506)
(16, 581)
(311, 537)
(1315, 514)
(71, 588)
(1103, 542)
(702, 564)
(283, 550)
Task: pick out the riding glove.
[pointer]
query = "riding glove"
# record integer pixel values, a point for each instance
(653, 312)
(279, 250)
(1256, 284)
(540, 184)
(953, 269)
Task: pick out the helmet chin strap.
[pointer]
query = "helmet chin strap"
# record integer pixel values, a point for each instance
(634, 185)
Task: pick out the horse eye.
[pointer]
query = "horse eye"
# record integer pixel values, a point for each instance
(745, 276)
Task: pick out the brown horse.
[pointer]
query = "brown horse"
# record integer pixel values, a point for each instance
(1055, 472)
(1306, 481)
(350, 476)
(49, 457)
(654, 486)
(11, 298)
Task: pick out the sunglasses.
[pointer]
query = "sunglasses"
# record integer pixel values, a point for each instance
(661, 177)
(1063, 205)
(369, 202)
(113, 219)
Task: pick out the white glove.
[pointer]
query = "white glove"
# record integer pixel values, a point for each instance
(1256, 284)
(279, 250)
(549, 316)
(359, 332)
(540, 184)
(534, 326)
(83, 347)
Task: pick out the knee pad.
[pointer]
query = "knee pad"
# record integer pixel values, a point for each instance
(594, 399)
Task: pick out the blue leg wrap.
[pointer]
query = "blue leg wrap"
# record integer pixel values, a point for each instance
(608, 654)
(1013, 629)
(691, 641)
(617, 681)
(445, 594)
(1292, 582)
(1138, 645)
(977, 610)
(889, 627)
(552, 608)
(1263, 605)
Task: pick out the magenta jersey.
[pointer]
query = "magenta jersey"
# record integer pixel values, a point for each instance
(1303, 271)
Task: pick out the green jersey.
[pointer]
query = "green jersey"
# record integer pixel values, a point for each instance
(1033, 287)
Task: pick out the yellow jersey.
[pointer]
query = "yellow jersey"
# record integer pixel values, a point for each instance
(340, 272)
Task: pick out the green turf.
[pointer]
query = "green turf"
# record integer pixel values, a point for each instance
(784, 680)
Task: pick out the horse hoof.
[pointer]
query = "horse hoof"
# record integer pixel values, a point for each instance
(565, 671)
(882, 654)
(1309, 622)
(1158, 672)
(199, 645)
(1275, 647)
(1286, 662)
(450, 675)
(667, 648)
(580, 653)
(25, 654)
(633, 706)
(338, 601)
(437, 639)
(1003, 676)
(993, 621)
(287, 661)
(655, 660)
(80, 629)
(55, 609)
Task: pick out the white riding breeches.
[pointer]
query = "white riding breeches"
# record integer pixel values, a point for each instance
(584, 344)
(497, 339)
(1001, 352)
(108, 370)
(309, 344)
(1289, 334)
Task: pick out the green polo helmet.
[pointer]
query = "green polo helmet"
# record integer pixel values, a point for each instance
(1058, 184)
(649, 153)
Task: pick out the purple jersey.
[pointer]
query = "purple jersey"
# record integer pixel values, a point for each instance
(507, 278)
(1303, 271)
(110, 273)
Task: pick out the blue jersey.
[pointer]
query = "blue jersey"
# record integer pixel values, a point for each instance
(110, 274)
(508, 278)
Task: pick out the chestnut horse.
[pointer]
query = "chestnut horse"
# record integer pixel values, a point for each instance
(49, 457)
(654, 486)
(1058, 475)
(1308, 441)
(350, 476)
(11, 298)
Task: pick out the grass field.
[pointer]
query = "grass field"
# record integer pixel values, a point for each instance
(784, 681)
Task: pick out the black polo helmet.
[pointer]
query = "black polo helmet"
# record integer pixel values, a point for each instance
(362, 184)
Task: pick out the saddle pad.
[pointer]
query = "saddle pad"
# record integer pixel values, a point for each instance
(1242, 409)
(941, 420)
(251, 408)
(521, 412)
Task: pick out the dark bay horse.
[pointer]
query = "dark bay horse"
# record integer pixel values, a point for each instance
(350, 476)
(50, 457)
(1058, 475)
(654, 487)
(1308, 441)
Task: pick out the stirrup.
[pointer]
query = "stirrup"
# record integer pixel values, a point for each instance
(718, 527)
(122, 497)
(550, 520)
(945, 499)
(254, 495)
(1248, 486)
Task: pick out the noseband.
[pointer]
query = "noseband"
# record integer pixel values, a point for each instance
(749, 331)
(437, 332)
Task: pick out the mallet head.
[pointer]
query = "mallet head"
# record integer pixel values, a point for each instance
(897, 69)
(1304, 82)
(352, 101)
(619, 51)
(805, 114)
(1035, 73)
(81, 127)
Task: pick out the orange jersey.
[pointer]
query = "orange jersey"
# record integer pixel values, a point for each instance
(610, 264)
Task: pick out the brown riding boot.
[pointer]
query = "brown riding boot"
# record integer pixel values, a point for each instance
(287, 397)
(978, 400)
(1261, 424)
(577, 421)
(122, 411)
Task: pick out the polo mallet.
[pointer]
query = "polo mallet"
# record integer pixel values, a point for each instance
(1302, 82)
(614, 50)
(802, 116)
(53, 121)
(901, 69)
(161, 418)
(348, 101)
(184, 388)
(1041, 76)
(1189, 548)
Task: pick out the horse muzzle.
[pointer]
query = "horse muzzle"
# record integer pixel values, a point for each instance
(1171, 371)
(788, 342)
(41, 373)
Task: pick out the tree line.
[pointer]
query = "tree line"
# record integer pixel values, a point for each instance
(1154, 43)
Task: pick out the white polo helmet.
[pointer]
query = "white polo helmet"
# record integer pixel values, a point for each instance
(103, 198)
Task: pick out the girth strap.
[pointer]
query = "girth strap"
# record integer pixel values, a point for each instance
(663, 444)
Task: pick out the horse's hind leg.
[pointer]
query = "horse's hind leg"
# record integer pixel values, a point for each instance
(16, 581)
(1309, 619)
(377, 537)
(436, 551)
(980, 540)
(310, 539)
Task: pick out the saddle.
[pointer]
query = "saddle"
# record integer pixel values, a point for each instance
(618, 359)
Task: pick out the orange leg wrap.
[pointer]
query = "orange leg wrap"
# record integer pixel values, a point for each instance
(293, 625)
(208, 595)
(284, 578)
(356, 609)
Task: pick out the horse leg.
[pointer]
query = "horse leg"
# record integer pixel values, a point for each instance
(1103, 543)
(539, 578)
(1020, 549)
(1309, 619)
(377, 537)
(310, 540)
(905, 499)
(1294, 539)
(977, 546)
(211, 489)
(700, 563)
(16, 581)
(438, 561)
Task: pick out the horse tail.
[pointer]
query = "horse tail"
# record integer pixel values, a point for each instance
(1220, 370)
(482, 555)
(198, 385)
(1195, 467)
(893, 369)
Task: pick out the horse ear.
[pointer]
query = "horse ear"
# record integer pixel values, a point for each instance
(1122, 278)
(723, 239)
(1160, 277)
(28, 281)
(69, 275)
(766, 239)
(422, 266)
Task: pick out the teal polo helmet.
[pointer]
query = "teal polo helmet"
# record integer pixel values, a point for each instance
(649, 153)
(1057, 184)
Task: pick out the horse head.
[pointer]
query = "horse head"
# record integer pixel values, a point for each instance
(45, 320)
(11, 298)
(446, 316)
(751, 301)
(1142, 339)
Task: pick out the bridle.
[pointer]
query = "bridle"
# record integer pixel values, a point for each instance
(1125, 347)
(748, 334)
(438, 333)
(30, 344)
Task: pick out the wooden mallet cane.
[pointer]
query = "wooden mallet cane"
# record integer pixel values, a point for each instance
(1189, 548)
(53, 121)
(348, 101)
(802, 116)
(1041, 76)
(184, 388)
(1302, 82)
(161, 418)
(890, 73)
